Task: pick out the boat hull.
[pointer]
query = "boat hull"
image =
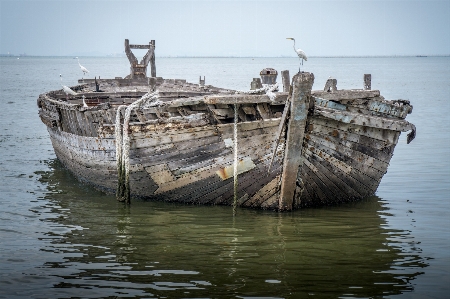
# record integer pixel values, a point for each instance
(183, 149)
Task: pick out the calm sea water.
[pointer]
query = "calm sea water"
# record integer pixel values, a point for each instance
(62, 239)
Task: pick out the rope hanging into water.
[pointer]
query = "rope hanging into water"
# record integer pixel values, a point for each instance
(123, 145)
(235, 170)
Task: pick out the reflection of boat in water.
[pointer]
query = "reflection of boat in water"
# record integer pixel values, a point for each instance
(165, 249)
(177, 141)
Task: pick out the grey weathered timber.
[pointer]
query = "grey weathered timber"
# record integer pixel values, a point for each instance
(330, 85)
(367, 81)
(301, 94)
(297, 148)
(139, 70)
(286, 80)
(342, 94)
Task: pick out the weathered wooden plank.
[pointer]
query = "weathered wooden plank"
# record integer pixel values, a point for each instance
(189, 193)
(189, 161)
(92, 143)
(223, 113)
(388, 136)
(261, 179)
(95, 175)
(157, 139)
(186, 179)
(368, 178)
(70, 122)
(347, 155)
(191, 101)
(280, 98)
(225, 194)
(376, 108)
(338, 180)
(248, 183)
(302, 197)
(394, 108)
(383, 155)
(309, 180)
(264, 193)
(345, 176)
(160, 127)
(272, 203)
(87, 158)
(285, 79)
(329, 196)
(169, 147)
(345, 94)
(201, 192)
(237, 98)
(301, 84)
(329, 104)
(248, 109)
(369, 121)
(335, 191)
(170, 155)
(90, 130)
(64, 121)
(83, 124)
(345, 137)
(227, 131)
(264, 110)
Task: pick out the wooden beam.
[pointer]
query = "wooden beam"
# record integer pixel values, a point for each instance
(239, 98)
(286, 80)
(350, 94)
(293, 159)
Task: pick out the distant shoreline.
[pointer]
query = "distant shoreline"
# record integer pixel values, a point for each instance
(253, 57)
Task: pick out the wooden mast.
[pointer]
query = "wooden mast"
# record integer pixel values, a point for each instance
(139, 70)
(301, 93)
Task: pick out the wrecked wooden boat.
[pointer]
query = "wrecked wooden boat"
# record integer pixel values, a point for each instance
(171, 140)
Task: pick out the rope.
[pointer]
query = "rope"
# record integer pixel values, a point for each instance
(268, 89)
(119, 141)
(235, 170)
(123, 145)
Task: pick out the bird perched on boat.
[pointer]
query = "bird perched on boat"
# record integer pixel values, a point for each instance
(83, 69)
(300, 53)
(67, 90)
(84, 102)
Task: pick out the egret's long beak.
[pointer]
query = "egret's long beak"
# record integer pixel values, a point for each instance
(289, 38)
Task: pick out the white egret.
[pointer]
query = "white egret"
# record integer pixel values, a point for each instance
(84, 102)
(300, 53)
(83, 69)
(66, 89)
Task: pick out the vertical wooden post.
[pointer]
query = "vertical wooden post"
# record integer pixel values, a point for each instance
(152, 60)
(367, 81)
(286, 80)
(301, 93)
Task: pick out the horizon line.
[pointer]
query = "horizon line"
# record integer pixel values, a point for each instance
(232, 56)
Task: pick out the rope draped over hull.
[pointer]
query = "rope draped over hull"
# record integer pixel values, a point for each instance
(123, 144)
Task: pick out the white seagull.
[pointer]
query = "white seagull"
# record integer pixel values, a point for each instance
(66, 89)
(300, 53)
(83, 69)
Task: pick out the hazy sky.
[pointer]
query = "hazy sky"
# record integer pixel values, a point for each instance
(224, 28)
